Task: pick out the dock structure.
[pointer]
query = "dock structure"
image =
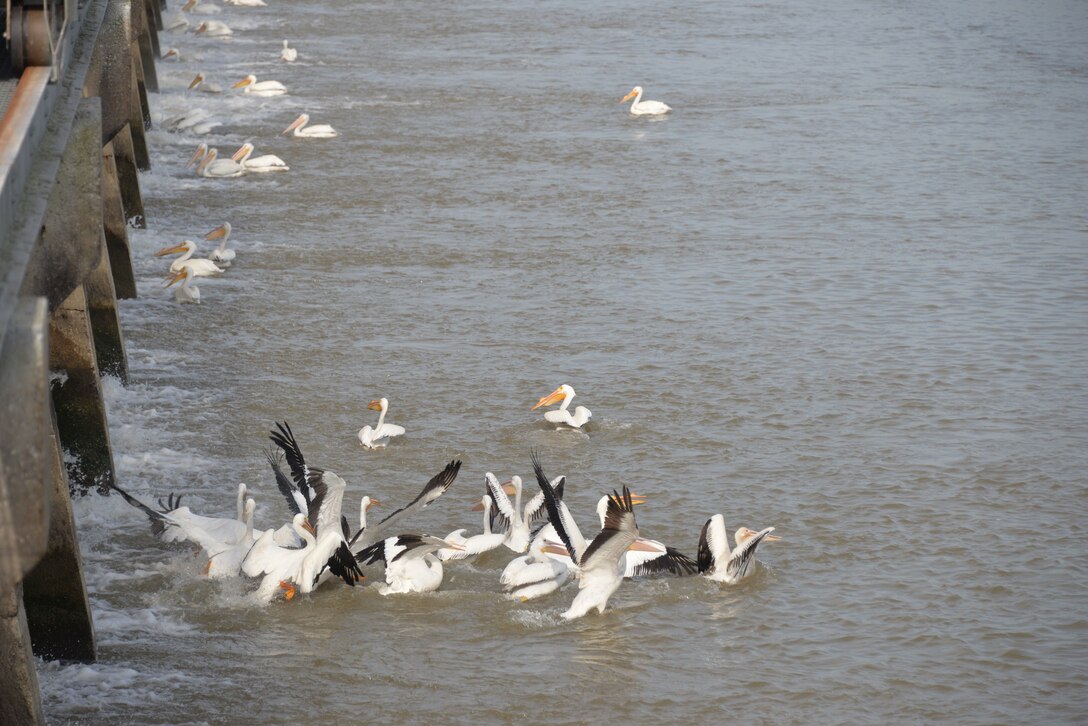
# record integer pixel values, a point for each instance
(74, 79)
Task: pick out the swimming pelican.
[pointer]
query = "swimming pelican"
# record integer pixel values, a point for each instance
(562, 416)
(171, 53)
(200, 83)
(221, 255)
(196, 121)
(302, 131)
(187, 293)
(288, 54)
(475, 545)
(600, 564)
(175, 523)
(200, 267)
(175, 23)
(214, 29)
(649, 556)
(299, 570)
(410, 563)
(213, 168)
(535, 574)
(262, 88)
(267, 162)
(714, 548)
(644, 108)
(371, 438)
(200, 9)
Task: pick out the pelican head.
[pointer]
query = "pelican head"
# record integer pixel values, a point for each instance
(202, 28)
(197, 80)
(247, 81)
(243, 153)
(187, 7)
(440, 543)
(367, 503)
(559, 394)
(220, 232)
(181, 274)
(171, 53)
(208, 159)
(744, 534)
(381, 404)
(554, 548)
(634, 92)
(200, 153)
(186, 246)
(298, 123)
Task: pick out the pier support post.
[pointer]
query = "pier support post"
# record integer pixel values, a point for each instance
(24, 499)
(124, 159)
(151, 30)
(114, 227)
(112, 76)
(20, 702)
(58, 613)
(109, 341)
(77, 395)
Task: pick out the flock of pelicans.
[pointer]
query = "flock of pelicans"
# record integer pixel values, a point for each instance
(206, 158)
(318, 544)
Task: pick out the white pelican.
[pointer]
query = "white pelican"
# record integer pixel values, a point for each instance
(196, 121)
(288, 54)
(171, 53)
(299, 570)
(225, 558)
(314, 492)
(221, 255)
(535, 574)
(717, 562)
(371, 438)
(649, 556)
(187, 293)
(175, 523)
(302, 131)
(644, 108)
(200, 9)
(175, 23)
(262, 88)
(199, 267)
(213, 168)
(410, 563)
(432, 490)
(200, 83)
(267, 162)
(600, 563)
(214, 29)
(562, 416)
(475, 545)
(510, 518)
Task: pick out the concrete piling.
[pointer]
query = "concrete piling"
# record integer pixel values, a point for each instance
(24, 500)
(114, 227)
